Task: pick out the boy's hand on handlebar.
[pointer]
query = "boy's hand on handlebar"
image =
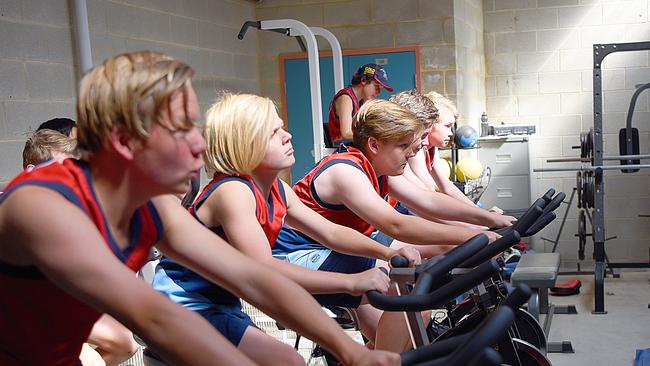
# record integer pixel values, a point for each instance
(499, 221)
(411, 254)
(495, 209)
(492, 236)
(377, 358)
(372, 279)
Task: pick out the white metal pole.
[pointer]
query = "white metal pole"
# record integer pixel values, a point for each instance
(314, 77)
(83, 35)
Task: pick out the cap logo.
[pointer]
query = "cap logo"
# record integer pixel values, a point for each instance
(369, 70)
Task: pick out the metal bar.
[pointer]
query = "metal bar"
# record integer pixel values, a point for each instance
(629, 265)
(599, 217)
(594, 168)
(608, 157)
(83, 35)
(600, 52)
(416, 327)
(303, 30)
(337, 55)
(566, 214)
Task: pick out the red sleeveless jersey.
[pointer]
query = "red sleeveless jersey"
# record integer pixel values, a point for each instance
(340, 214)
(270, 213)
(41, 324)
(333, 120)
(429, 158)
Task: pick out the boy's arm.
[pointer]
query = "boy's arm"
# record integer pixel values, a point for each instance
(417, 168)
(447, 186)
(337, 237)
(344, 111)
(434, 205)
(191, 244)
(68, 249)
(350, 187)
(232, 205)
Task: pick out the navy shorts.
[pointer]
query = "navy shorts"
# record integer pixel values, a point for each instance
(343, 263)
(229, 320)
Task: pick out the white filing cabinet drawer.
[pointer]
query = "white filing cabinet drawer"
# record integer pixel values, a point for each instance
(509, 192)
(508, 158)
(505, 157)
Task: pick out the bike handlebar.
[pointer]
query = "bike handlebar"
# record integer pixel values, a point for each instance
(438, 297)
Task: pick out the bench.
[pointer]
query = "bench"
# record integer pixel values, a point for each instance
(539, 271)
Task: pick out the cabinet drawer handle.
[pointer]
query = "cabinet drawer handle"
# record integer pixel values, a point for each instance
(504, 192)
(503, 158)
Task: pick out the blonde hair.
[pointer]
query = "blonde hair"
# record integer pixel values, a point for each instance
(423, 108)
(442, 102)
(127, 90)
(385, 121)
(43, 144)
(237, 131)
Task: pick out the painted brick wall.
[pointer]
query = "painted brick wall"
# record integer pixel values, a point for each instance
(38, 70)
(539, 70)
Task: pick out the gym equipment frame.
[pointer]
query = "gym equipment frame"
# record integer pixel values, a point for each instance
(600, 52)
(297, 29)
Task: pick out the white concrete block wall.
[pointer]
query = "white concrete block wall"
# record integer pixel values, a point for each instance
(470, 70)
(38, 73)
(539, 70)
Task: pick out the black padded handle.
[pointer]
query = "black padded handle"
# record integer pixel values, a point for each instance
(245, 26)
(541, 223)
(555, 203)
(497, 247)
(528, 219)
(489, 332)
(548, 195)
(434, 350)
(473, 350)
(518, 297)
(398, 261)
(449, 262)
(437, 298)
(489, 357)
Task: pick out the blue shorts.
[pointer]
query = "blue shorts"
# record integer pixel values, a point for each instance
(381, 238)
(230, 321)
(343, 263)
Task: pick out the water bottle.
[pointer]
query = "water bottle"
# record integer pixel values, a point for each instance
(485, 127)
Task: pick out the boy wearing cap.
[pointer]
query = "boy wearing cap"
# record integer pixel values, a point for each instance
(366, 84)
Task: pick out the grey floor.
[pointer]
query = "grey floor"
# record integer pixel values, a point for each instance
(599, 340)
(605, 340)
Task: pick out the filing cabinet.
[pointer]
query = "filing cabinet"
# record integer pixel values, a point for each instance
(508, 158)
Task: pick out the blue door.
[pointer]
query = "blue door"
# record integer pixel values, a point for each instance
(401, 70)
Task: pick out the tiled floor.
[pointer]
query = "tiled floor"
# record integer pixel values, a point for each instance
(599, 340)
(605, 340)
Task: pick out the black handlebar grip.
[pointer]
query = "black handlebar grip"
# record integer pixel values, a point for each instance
(449, 262)
(245, 26)
(548, 195)
(491, 250)
(488, 333)
(437, 298)
(555, 202)
(434, 350)
(541, 223)
(399, 261)
(517, 297)
(489, 357)
(504, 230)
(528, 219)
